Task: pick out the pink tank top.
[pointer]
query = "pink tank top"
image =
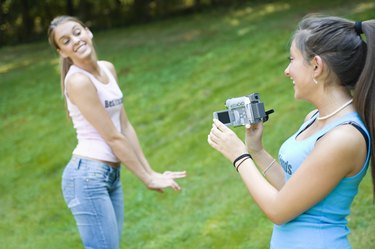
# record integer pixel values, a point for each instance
(90, 143)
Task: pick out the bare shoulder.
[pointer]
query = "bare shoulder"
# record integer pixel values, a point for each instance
(347, 144)
(78, 82)
(346, 134)
(109, 66)
(80, 88)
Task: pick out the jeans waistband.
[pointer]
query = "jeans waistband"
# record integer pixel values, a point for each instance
(98, 162)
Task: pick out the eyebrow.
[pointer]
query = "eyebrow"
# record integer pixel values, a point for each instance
(74, 27)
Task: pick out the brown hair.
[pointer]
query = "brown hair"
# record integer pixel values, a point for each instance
(364, 98)
(350, 58)
(65, 63)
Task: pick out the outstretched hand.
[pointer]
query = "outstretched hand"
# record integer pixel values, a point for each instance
(159, 182)
(226, 141)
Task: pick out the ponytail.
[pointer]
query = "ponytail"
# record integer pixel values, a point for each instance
(65, 63)
(364, 92)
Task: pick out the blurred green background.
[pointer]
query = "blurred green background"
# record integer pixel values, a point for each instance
(174, 73)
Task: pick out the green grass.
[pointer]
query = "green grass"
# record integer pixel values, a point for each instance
(174, 74)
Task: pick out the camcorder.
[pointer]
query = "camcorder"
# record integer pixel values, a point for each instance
(243, 110)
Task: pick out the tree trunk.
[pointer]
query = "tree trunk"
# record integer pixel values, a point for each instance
(27, 22)
(141, 11)
(69, 7)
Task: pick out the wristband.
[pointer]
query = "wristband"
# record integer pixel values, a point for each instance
(242, 162)
(240, 157)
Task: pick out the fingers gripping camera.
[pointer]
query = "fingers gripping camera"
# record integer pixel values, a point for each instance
(243, 110)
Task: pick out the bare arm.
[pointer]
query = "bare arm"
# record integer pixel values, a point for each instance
(338, 154)
(270, 168)
(266, 163)
(83, 94)
(129, 132)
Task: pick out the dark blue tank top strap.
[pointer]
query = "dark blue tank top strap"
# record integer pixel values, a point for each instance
(311, 120)
(359, 128)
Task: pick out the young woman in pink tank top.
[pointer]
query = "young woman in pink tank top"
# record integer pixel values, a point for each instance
(106, 138)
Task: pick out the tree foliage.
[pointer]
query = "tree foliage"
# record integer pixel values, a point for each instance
(27, 20)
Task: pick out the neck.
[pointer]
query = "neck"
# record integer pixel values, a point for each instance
(89, 63)
(336, 111)
(91, 66)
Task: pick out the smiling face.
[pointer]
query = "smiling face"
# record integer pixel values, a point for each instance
(301, 73)
(73, 40)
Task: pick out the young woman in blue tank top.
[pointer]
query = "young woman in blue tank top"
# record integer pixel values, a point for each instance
(308, 191)
(106, 138)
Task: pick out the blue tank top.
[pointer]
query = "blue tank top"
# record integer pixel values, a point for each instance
(323, 226)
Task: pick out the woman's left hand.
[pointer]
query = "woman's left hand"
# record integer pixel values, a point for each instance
(226, 141)
(160, 181)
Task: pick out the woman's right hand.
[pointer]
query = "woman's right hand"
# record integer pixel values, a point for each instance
(254, 138)
(158, 181)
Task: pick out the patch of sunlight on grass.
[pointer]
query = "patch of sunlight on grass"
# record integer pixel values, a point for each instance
(235, 18)
(243, 12)
(273, 7)
(270, 8)
(362, 7)
(15, 65)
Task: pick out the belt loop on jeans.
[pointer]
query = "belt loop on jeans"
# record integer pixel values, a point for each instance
(77, 162)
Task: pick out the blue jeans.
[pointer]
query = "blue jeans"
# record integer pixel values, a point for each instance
(93, 192)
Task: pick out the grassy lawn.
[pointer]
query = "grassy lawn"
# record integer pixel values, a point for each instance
(174, 74)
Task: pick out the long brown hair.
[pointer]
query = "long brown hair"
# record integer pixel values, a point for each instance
(352, 60)
(65, 63)
(364, 98)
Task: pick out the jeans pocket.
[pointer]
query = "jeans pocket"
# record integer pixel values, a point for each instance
(68, 189)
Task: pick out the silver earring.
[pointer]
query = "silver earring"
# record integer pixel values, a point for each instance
(315, 81)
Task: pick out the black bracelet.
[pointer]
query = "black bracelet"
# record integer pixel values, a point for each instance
(242, 162)
(240, 157)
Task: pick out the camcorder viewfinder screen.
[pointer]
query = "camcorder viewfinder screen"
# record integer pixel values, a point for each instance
(223, 117)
